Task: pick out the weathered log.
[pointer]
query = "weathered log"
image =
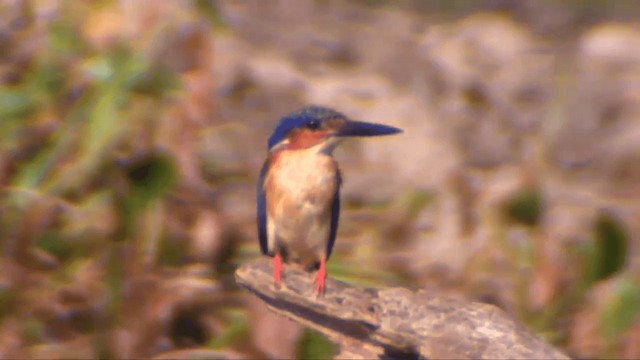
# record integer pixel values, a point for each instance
(394, 322)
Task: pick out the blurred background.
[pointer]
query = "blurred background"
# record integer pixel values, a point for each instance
(132, 133)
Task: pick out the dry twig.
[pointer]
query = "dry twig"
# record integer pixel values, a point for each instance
(394, 322)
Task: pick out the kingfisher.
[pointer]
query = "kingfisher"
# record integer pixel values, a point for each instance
(298, 194)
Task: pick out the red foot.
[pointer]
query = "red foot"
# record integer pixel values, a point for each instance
(277, 269)
(321, 276)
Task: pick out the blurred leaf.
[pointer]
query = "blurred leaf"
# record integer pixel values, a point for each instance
(156, 82)
(236, 331)
(106, 124)
(622, 310)
(172, 252)
(375, 3)
(611, 247)
(208, 8)
(151, 178)
(47, 81)
(6, 300)
(64, 37)
(524, 250)
(525, 207)
(31, 174)
(584, 253)
(360, 274)
(314, 345)
(91, 217)
(68, 273)
(52, 242)
(103, 345)
(418, 200)
(98, 68)
(33, 330)
(14, 103)
(114, 279)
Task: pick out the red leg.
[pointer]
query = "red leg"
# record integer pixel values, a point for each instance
(277, 269)
(321, 276)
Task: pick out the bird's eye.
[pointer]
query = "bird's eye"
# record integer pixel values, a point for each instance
(313, 125)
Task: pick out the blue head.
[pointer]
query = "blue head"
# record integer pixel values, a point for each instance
(315, 124)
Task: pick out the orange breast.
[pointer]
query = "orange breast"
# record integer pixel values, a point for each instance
(300, 186)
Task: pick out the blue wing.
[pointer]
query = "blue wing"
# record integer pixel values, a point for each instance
(262, 210)
(335, 215)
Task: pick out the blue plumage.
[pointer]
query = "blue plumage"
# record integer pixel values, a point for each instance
(299, 119)
(262, 210)
(335, 215)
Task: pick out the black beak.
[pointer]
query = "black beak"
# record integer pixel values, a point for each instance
(361, 128)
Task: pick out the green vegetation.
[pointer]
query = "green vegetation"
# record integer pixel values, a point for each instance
(611, 247)
(525, 207)
(314, 345)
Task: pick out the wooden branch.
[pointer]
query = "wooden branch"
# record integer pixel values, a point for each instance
(394, 322)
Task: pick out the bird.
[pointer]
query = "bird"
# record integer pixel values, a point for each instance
(298, 190)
